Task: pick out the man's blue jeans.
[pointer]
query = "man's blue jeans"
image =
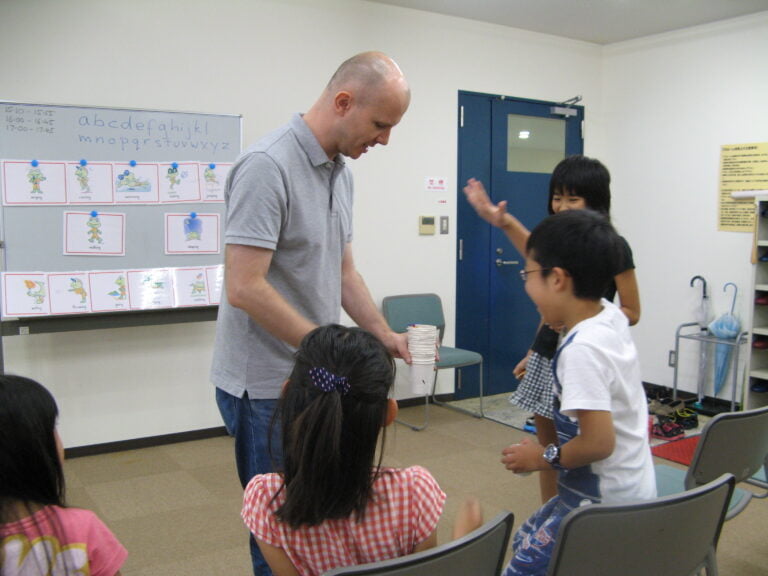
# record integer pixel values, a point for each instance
(249, 421)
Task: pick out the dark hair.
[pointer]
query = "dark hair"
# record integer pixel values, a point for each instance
(584, 244)
(582, 176)
(30, 469)
(31, 473)
(329, 438)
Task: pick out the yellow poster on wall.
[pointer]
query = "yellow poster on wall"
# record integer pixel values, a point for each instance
(743, 169)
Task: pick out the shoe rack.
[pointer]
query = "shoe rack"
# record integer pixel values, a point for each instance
(756, 394)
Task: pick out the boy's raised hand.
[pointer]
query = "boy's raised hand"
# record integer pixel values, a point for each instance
(479, 200)
(523, 457)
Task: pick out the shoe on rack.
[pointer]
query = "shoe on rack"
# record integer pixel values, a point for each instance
(760, 344)
(761, 300)
(665, 407)
(687, 418)
(667, 429)
(759, 386)
(530, 425)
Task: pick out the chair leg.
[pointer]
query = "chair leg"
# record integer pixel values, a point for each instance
(481, 414)
(760, 483)
(711, 563)
(426, 413)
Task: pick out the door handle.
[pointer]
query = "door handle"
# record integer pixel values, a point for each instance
(500, 262)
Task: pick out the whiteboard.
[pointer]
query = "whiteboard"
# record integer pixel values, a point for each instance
(32, 235)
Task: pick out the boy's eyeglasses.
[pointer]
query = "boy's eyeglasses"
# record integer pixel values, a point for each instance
(524, 273)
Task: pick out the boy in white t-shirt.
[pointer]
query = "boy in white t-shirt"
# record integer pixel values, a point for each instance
(601, 415)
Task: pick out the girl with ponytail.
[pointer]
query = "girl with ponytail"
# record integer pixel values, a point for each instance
(334, 504)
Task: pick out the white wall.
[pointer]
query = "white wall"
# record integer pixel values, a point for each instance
(670, 102)
(268, 59)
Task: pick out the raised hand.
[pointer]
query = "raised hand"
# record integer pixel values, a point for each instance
(478, 198)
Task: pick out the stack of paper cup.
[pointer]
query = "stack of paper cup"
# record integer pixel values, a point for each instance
(422, 344)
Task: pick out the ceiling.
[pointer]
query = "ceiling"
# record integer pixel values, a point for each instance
(596, 21)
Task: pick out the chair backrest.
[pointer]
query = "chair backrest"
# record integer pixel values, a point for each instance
(480, 553)
(405, 309)
(733, 442)
(668, 536)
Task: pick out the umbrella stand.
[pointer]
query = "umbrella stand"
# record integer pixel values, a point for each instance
(707, 339)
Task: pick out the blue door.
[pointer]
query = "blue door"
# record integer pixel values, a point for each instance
(512, 145)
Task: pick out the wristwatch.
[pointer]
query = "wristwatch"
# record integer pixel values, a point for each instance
(552, 456)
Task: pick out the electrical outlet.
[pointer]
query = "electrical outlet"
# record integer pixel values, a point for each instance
(672, 360)
(443, 224)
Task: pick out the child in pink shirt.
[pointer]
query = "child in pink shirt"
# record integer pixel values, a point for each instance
(38, 533)
(333, 505)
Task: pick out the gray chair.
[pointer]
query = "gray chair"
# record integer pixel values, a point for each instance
(731, 442)
(405, 309)
(479, 553)
(761, 478)
(670, 536)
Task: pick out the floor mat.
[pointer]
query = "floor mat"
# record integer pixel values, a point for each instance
(498, 409)
(680, 451)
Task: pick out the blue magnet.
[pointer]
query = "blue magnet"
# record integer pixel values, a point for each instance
(132, 162)
(212, 166)
(175, 165)
(193, 214)
(83, 162)
(120, 176)
(34, 163)
(126, 173)
(94, 213)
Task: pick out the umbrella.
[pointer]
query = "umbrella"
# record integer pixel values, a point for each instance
(702, 317)
(726, 327)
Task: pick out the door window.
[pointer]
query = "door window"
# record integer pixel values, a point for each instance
(534, 144)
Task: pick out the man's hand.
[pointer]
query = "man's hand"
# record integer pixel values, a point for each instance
(397, 344)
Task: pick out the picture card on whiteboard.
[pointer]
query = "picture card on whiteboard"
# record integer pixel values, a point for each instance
(213, 176)
(179, 182)
(136, 183)
(25, 294)
(109, 291)
(90, 182)
(33, 183)
(69, 292)
(192, 233)
(215, 282)
(94, 233)
(149, 289)
(190, 287)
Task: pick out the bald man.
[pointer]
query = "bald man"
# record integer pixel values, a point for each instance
(288, 260)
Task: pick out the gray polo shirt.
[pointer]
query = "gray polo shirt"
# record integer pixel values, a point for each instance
(285, 195)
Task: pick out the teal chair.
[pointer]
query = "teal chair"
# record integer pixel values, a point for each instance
(405, 309)
(732, 442)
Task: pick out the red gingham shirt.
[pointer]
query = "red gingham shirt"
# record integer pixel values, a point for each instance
(404, 511)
